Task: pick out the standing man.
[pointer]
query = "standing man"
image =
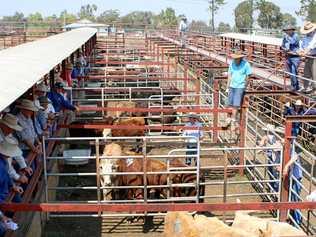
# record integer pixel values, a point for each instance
(308, 50)
(238, 73)
(196, 132)
(183, 28)
(291, 46)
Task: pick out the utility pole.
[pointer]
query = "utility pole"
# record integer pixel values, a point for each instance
(251, 17)
(212, 8)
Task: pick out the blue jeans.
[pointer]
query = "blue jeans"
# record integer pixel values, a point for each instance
(2, 229)
(235, 96)
(188, 159)
(297, 188)
(292, 64)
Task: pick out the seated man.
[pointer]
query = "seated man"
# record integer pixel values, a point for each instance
(28, 138)
(58, 100)
(194, 131)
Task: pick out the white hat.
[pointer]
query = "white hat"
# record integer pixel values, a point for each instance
(269, 128)
(9, 150)
(308, 27)
(42, 88)
(298, 103)
(193, 115)
(28, 105)
(288, 104)
(11, 121)
(12, 140)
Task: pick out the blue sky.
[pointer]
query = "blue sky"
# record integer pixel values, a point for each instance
(193, 9)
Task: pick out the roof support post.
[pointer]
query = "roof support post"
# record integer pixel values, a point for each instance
(216, 105)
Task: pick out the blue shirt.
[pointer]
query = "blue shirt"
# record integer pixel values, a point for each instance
(59, 102)
(77, 72)
(239, 73)
(308, 42)
(193, 132)
(5, 181)
(28, 132)
(291, 43)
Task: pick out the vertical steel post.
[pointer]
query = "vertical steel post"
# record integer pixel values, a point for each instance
(216, 106)
(242, 131)
(286, 159)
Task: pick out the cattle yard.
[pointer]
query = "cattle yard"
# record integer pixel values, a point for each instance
(117, 166)
(152, 78)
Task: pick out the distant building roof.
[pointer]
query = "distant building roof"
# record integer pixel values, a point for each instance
(84, 23)
(24, 65)
(254, 38)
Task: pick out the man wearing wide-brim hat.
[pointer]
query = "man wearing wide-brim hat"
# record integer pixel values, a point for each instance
(291, 46)
(308, 50)
(194, 130)
(238, 73)
(27, 137)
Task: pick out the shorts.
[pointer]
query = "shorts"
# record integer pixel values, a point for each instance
(235, 96)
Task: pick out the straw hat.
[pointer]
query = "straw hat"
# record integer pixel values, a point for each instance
(12, 140)
(69, 66)
(9, 150)
(11, 121)
(269, 128)
(42, 88)
(298, 103)
(28, 105)
(308, 27)
(237, 55)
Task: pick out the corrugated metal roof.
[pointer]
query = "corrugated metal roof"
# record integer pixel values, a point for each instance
(254, 38)
(22, 66)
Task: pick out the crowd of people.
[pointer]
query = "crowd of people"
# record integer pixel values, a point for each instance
(22, 127)
(295, 49)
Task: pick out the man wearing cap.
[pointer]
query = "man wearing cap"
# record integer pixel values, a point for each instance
(274, 157)
(298, 109)
(58, 100)
(194, 130)
(238, 73)
(27, 136)
(9, 124)
(308, 50)
(291, 46)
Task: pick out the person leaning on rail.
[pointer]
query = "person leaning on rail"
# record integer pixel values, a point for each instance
(308, 50)
(58, 99)
(238, 73)
(28, 138)
(9, 124)
(7, 185)
(291, 46)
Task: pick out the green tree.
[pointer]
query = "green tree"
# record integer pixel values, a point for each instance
(308, 10)
(109, 16)
(244, 15)
(198, 26)
(51, 18)
(87, 12)
(66, 17)
(35, 17)
(18, 16)
(167, 17)
(288, 19)
(270, 16)
(214, 7)
(138, 18)
(223, 27)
